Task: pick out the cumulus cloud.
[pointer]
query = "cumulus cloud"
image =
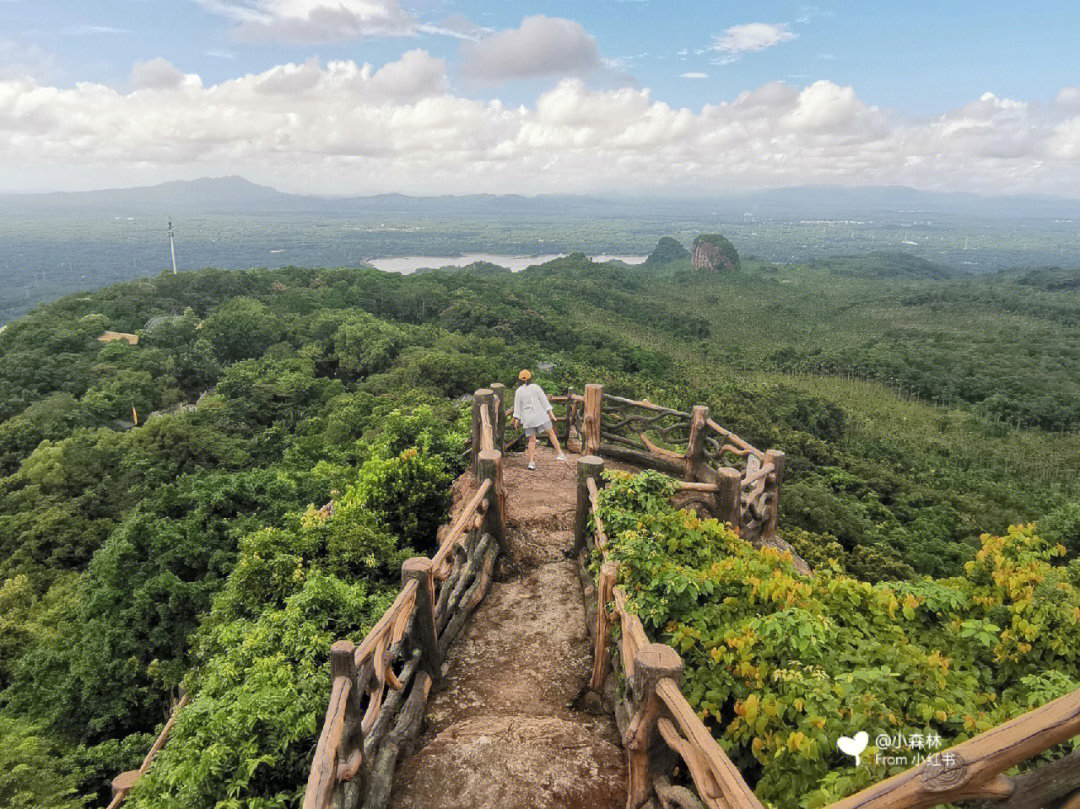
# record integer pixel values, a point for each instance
(542, 46)
(693, 75)
(1068, 98)
(157, 74)
(754, 36)
(314, 20)
(344, 127)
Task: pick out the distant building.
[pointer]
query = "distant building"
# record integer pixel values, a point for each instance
(113, 336)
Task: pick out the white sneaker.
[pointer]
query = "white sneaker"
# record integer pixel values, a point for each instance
(532, 466)
(561, 458)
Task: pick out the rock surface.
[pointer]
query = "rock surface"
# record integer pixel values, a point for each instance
(713, 253)
(500, 730)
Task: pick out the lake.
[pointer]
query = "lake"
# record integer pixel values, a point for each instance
(409, 264)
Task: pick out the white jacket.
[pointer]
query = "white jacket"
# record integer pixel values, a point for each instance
(531, 405)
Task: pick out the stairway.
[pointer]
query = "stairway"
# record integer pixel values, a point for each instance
(500, 730)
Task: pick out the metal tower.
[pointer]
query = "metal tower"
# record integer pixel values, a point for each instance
(172, 247)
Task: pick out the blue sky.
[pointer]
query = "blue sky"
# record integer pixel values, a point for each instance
(920, 81)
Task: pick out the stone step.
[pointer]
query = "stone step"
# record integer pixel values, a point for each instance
(526, 650)
(513, 762)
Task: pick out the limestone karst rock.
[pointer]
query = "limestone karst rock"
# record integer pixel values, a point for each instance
(712, 252)
(667, 250)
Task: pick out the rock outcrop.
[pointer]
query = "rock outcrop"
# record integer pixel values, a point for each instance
(666, 251)
(713, 253)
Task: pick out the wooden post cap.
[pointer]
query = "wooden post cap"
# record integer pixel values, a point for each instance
(418, 567)
(652, 663)
(589, 466)
(730, 473)
(490, 455)
(342, 659)
(124, 781)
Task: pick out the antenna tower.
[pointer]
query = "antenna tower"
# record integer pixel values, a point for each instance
(172, 247)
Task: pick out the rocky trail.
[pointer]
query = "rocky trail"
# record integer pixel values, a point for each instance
(500, 727)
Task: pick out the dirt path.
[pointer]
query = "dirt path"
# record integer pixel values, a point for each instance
(500, 731)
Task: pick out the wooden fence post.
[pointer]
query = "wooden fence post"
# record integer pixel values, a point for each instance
(588, 466)
(772, 487)
(729, 498)
(594, 399)
(652, 663)
(498, 420)
(601, 659)
(482, 398)
(565, 437)
(695, 447)
(489, 463)
(420, 568)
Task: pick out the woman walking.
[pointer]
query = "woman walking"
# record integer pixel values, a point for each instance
(533, 412)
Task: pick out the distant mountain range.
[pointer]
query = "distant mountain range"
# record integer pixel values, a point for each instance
(238, 196)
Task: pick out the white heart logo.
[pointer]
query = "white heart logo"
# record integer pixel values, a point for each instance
(854, 747)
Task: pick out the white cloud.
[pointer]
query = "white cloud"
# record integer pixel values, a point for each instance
(1068, 98)
(542, 46)
(693, 75)
(748, 38)
(458, 26)
(344, 127)
(91, 30)
(314, 20)
(156, 74)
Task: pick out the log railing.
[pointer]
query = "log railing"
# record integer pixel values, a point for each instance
(122, 784)
(380, 688)
(741, 483)
(658, 723)
(653, 713)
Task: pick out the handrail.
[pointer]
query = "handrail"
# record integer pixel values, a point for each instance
(472, 508)
(967, 771)
(717, 779)
(414, 633)
(121, 791)
(745, 445)
(973, 769)
(645, 404)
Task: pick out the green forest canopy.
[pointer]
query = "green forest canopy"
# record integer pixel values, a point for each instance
(916, 412)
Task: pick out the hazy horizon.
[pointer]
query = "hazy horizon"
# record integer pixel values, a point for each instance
(361, 97)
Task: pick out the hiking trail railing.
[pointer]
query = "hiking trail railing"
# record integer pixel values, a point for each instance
(659, 727)
(380, 688)
(738, 483)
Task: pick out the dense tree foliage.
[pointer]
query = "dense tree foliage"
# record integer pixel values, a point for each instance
(191, 547)
(780, 666)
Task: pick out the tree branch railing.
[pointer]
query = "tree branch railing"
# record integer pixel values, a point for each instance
(379, 689)
(690, 446)
(122, 784)
(659, 727)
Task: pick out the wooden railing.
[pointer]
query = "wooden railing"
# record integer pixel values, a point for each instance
(654, 717)
(740, 484)
(380, 688)
(122, 784)
(653, 711)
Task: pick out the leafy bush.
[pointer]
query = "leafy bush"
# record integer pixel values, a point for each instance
(779, 666)
(246, 737)
(32, 772)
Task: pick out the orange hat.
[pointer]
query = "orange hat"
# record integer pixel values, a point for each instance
(525, 375)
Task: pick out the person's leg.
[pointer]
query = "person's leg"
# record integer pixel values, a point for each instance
(531, 452)
(555, 442)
